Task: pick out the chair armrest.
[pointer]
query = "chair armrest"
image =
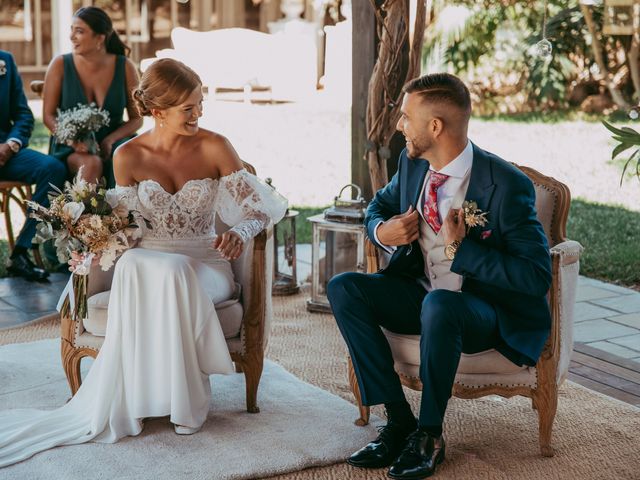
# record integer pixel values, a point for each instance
(373, 260)
(565, 258)
(254, 271)
(36, 87)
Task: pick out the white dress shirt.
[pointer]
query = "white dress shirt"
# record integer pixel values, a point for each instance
(457, 170)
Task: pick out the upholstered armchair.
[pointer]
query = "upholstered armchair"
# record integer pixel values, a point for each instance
(245, 319)
(488, 372)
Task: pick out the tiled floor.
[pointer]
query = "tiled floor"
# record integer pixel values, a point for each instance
(607, 317)
(22, 301)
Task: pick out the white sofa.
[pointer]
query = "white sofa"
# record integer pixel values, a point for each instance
(240, 58)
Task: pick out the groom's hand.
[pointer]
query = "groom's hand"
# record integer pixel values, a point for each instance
(229, 244)
(453, 226)
(400, 229)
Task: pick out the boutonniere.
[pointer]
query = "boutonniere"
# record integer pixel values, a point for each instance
(473, 216)
(3, 68)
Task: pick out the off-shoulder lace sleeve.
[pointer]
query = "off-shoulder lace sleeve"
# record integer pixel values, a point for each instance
(128, 196)
(247, 204)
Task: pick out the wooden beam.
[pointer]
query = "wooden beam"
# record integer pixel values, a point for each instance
(363, 59)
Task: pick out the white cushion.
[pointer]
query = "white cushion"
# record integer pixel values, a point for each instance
(406, 350)
(229, 313)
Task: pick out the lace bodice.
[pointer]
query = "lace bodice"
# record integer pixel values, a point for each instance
(240, 199)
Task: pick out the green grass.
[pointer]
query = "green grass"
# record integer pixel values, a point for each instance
(303, 228)
(40, 137)
(609, 235)
(4, 256)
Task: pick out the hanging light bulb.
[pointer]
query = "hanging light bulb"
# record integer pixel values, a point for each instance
(634, 114)
(543, 48)
(182, 1)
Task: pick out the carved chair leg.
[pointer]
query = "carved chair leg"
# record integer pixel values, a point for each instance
(37, 257)
(6, 210)
(252, 368)
(71, 363)
(547, 403)
(364, 410)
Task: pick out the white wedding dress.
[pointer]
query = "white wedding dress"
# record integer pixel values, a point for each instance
(163, 336)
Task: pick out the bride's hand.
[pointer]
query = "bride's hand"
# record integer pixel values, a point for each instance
(229, 244)
(78, 259)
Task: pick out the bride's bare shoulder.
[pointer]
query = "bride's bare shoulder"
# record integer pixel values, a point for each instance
(220, 152)
(127, 159)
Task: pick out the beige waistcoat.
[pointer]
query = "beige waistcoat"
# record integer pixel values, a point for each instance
(436, 265)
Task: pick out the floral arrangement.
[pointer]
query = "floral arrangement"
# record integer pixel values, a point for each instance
(88, 219)
(79, 124)
(3, 68)
(473, 216)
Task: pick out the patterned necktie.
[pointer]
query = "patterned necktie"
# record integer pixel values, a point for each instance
(431, 214)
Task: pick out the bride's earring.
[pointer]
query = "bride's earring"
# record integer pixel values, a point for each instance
(161, 124)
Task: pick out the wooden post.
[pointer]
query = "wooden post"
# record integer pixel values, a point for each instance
(363, 60)
(231, 13)
(269, 12)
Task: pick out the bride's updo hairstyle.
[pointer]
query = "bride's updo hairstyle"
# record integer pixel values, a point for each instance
(166, 83)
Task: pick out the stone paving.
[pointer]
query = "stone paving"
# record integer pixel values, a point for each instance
(22, 301)
(607, 317)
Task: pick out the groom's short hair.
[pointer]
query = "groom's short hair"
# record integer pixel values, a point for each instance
(441, 88)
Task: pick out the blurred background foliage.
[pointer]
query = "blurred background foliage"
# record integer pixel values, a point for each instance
(489, 44)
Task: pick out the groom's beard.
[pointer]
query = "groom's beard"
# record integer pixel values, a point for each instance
(417, 147)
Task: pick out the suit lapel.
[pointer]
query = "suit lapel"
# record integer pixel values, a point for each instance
(481, 184)
(416, 181)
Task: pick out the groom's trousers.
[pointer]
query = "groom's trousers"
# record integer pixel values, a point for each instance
(449, 323)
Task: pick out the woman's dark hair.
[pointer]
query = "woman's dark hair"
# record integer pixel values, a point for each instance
(100, 23)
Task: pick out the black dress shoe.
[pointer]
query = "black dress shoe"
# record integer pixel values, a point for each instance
(419, 458)
(21, 266)
(383, 450)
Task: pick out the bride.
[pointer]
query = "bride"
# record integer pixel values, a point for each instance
(163, 336)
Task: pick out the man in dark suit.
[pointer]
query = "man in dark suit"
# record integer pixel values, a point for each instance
(463, 286)
(23, 164)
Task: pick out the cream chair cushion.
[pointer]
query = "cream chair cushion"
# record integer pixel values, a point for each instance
(475, 370)
(229, 313)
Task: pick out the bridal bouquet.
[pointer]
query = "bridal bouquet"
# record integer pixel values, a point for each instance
(80, 124)
(88, 219)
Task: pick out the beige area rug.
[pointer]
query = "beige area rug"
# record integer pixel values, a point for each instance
(298, 419)
(595, 437)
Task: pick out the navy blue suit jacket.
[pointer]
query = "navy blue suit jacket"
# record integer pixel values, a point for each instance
(16, 119)
(509, 266)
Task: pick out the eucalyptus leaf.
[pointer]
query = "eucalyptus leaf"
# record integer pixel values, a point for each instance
(620, 148)
(636, 157)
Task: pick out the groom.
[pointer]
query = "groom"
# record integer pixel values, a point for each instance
(462, 288)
